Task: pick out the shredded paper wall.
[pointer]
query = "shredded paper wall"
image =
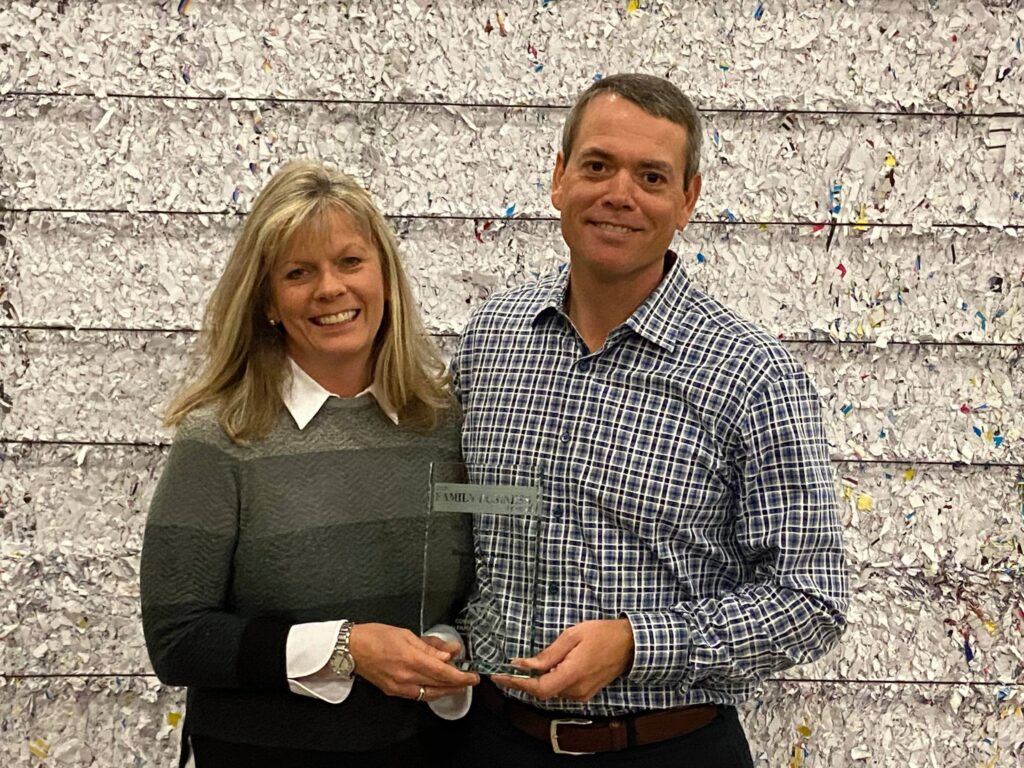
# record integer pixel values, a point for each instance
(863, 200)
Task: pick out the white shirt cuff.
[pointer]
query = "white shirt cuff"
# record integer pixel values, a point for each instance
(457, 705)
(308, 649)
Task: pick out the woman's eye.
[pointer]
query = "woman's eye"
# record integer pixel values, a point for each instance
(294, 274)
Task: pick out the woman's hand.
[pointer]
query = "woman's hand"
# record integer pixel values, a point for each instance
(400, 663)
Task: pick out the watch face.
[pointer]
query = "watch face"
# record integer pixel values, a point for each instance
(342, 665)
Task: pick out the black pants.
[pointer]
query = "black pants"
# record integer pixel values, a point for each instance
(488, 741)
(213, 753)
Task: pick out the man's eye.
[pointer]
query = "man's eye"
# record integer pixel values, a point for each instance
(653, 179)
(595, 166)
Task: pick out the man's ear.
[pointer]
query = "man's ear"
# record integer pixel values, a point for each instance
(690, 195)
(556, 182)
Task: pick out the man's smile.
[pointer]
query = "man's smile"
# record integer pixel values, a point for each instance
(608, 226)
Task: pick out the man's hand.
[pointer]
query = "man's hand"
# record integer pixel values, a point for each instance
(582, 661)
(398, 662)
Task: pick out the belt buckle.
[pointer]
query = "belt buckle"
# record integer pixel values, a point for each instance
(553, 730)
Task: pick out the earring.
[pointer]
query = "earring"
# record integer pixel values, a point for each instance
(272, 322)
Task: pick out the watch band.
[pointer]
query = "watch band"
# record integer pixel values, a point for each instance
(341, 662)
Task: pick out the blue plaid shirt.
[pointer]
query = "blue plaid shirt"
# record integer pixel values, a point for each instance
(686, 485)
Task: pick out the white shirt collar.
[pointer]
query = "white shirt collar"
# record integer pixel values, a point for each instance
(304, 397)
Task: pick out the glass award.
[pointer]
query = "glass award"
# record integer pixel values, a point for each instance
(500, 507)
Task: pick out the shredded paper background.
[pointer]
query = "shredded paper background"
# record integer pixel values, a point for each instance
(863, 199)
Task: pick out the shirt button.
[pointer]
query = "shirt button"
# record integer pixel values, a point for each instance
(566, 436)
(584, 366)
(553, 590)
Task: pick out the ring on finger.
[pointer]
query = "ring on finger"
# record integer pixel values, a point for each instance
(423, 692)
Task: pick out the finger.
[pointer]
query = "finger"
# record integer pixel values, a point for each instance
(424, 645)
(548, 686)
(450, 647)
(551, 656)
(446, 675)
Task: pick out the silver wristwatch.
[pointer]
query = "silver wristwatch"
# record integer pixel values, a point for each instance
(341, 662)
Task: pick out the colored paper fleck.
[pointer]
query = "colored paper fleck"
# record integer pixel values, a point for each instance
(186, 74)
(978, 431)
(700, 257)
(890, 160)
(633, 6)
(759, 11)
(724, 66)
(804, 730)
(173, 718)
(39, 748)
(842, 269)
(834, 205)
(865, 502)
(968, 651)
(183, 7)
(909, 474)
(729, 214)
(981, 317)
(862, 220)
(847, 408)
(997, 440)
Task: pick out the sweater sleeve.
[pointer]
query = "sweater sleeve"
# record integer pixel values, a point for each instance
(192, 636)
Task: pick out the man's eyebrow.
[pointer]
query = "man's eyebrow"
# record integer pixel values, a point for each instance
(657, 165)
(596, 153)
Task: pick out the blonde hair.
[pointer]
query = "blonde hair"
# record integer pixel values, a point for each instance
(241, 358)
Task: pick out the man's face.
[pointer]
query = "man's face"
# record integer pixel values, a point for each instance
(621, 192)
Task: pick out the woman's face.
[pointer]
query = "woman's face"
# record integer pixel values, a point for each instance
(327, 291)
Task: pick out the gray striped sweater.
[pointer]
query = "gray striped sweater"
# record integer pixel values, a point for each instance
(242, 542)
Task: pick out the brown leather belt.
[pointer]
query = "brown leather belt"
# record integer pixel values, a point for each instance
(585, 735)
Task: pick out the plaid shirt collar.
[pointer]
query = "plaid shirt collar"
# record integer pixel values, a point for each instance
(652, 320)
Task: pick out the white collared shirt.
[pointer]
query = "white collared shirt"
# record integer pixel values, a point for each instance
(310, 645)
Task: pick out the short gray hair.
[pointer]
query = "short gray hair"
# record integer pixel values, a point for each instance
(654, 95)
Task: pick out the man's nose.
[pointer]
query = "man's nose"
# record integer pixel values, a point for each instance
(620, 190)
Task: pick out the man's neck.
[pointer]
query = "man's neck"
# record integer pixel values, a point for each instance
(596, 307)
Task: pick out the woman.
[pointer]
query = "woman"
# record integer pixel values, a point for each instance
(279, 554)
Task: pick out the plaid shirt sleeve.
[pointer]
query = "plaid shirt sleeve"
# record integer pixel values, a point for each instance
(788, 530)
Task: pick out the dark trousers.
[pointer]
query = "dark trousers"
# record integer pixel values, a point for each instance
(213, 753)
(488, 741)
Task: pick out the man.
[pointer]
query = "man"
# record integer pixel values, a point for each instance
(689, 545)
